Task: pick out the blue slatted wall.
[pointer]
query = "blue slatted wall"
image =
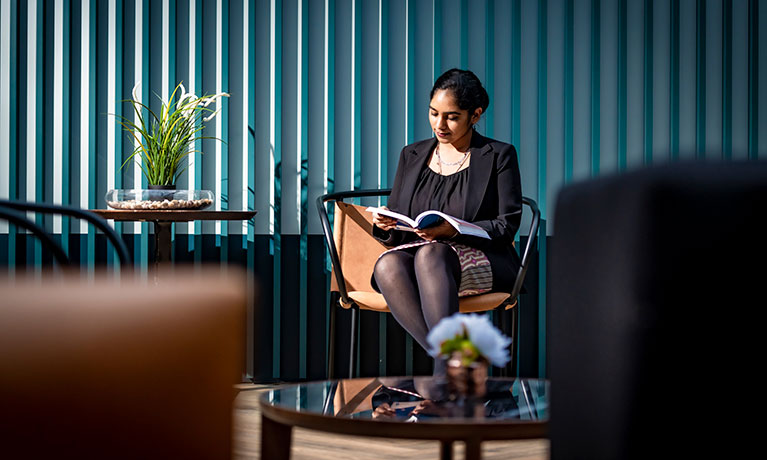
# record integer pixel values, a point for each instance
(324, 95)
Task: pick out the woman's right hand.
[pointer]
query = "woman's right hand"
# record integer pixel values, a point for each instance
(384, 411)
(384, 222)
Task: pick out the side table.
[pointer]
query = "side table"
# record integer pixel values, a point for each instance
(162, 221)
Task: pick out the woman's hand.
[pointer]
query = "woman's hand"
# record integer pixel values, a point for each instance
(429, 407)
(384, 222)
(443, 231)
(384, 411)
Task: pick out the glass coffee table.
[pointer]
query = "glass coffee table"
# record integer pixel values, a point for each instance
(405, 407)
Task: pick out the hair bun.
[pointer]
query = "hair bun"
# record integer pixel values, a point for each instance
(466, 88)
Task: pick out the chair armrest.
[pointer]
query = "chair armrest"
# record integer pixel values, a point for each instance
(528, 246)
(327, 230)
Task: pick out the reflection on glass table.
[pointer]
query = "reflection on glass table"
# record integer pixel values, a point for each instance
(408, 407)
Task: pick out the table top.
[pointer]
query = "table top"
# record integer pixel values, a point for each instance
(172, 215)
(511, 409)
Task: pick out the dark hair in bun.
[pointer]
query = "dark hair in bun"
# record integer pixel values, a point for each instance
(466, 88)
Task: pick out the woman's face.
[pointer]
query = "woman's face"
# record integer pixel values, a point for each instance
(449, 123)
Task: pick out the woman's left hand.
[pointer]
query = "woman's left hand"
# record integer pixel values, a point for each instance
(443, 231)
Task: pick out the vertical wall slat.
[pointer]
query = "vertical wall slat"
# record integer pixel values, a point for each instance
(141, 83)
(555, 84)
(383, 142)
(700, 45)
(687, 80)
(674, 77)
(329, 97)
(222, 121)
(739, 80)
(661, 87)
(85, 113)
(608, 88)
(727, 80)
(6, 45)
(114, 106)
(464, 34)
(13, 123)
(516, 43)
(437, 40)
(568, 92)
(714, 82)
(356, 95)
(581, 92)
(648, 81)
(328, 130)
(753, 79)
(489, 80)
(34, 160)
(302, 160)
(60, 119)
(596, 54)
(247, 126)
(635, 85)
(542, 172)
(622, 89)
(275, 167)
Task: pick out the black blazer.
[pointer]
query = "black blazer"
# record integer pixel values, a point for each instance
(494, 201)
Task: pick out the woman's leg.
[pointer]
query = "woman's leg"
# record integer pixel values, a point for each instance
(396, 279)
(438, 271)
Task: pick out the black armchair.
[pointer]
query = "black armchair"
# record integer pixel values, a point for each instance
(354, 251)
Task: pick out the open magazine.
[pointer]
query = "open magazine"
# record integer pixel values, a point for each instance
(429, 219)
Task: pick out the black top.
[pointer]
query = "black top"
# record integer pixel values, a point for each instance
(492, 200)
(440, 193)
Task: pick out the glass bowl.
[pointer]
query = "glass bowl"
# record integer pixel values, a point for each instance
(151, 200)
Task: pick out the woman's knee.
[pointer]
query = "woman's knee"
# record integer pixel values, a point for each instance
(435, 255)
(390, 265)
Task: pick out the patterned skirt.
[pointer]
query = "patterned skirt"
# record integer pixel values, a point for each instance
(476, 273)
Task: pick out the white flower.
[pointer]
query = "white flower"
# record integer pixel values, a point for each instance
(211, 116)
(491, 344)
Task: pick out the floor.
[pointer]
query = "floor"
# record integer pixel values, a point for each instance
(308, 444)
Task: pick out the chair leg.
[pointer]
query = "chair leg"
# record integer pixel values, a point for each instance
(332, 336)
(353, 341)
(502, 315)
(514, 338)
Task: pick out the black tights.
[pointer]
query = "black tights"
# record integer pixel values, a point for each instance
(420, 286)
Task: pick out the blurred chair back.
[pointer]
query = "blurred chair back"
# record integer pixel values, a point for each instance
(122, 368)
(655, 313)
(12, 211)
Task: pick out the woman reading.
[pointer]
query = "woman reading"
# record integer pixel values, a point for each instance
(463, 174)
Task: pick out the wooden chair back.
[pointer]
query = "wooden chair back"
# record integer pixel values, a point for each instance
(358, 250)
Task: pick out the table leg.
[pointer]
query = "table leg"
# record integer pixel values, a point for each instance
(163, 243)
(473, 449)
(446, 450)
(275, 439)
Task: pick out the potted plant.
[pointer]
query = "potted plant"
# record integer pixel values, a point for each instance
(162, 143)
(468, 343)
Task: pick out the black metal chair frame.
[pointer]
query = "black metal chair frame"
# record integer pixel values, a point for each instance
(13, 212)
(344, 297)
